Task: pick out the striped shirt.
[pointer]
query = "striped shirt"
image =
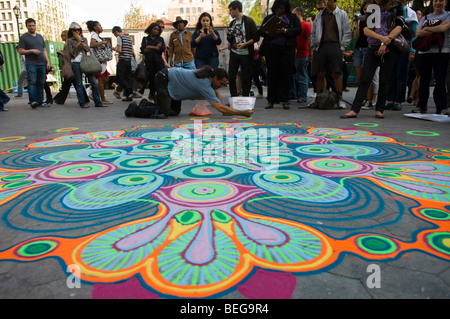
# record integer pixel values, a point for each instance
(127, 47)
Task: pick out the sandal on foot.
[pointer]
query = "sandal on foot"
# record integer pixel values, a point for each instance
(345, 116)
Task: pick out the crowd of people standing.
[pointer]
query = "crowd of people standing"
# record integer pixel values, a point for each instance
(300, 50)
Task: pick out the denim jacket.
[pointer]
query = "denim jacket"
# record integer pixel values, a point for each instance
(345, 31)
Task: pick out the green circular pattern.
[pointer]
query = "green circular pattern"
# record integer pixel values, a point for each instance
(188, 217)
(383, 174)
(140, 162)
(423, 133)
(376, 245)
(36, 248)
(17, 184)
(79, 170)
(281, 178)
(439, 241)
(203, 192)
(134, 180)
(221, 217)
(207, 171)
(366, 124)
(441, 158)
(120, 143)
(15, 177)
(435, 214)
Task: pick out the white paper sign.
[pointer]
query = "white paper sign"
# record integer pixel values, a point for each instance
(242, 103)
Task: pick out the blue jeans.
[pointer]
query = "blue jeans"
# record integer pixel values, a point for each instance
(186, 65)
(358, 56)
(22, 77)
(399, 79)
(78, 79)
(36, 82)
(212, 62)
(299, 86)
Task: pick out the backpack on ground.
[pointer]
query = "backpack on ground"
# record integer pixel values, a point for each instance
(327, 100)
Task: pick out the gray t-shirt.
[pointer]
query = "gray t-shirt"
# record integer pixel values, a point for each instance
(445, 16)
(184, 85)
(28, 42)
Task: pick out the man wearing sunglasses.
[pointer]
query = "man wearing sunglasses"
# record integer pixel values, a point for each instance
(32, 45)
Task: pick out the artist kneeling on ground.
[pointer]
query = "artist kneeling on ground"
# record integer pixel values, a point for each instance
(176, 84)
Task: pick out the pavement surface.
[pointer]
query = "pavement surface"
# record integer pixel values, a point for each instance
(382, 240)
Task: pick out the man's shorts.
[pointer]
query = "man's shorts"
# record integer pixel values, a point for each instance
(328, 57)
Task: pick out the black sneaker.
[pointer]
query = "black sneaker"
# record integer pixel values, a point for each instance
(128, 99)
(418, 110)
(34, 105)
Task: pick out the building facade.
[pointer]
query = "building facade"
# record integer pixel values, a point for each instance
(190, 10)
(51, 16)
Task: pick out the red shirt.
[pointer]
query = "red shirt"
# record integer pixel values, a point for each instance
(303, 40)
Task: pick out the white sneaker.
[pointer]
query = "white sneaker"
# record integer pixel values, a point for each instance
(341, 105)
(367, 106)
(313, 95)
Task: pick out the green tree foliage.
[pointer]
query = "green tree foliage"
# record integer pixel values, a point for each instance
(135, 17)
(255, 12)
(350, 6)
(223, 13)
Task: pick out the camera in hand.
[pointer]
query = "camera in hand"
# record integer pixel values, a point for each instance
(360, 17)
(231, 32)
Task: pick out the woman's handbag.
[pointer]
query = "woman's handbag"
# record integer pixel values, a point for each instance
(103, 54)
(402, 41)
(89, 64)
(401, 44)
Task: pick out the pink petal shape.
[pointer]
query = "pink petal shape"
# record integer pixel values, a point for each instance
(268, 285)
(130, 289)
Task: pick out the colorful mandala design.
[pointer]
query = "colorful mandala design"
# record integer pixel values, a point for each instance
(194, 211)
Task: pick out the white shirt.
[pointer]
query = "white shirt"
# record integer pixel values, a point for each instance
(97, 38)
